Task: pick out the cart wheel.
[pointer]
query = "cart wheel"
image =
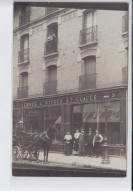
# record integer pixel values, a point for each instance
(37, 155)
(15, 153)
(25, 154)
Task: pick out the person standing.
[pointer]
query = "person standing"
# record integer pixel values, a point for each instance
(76, 142)
(97, 140)
(68, 144)
(20, 133)
(89, 142)
(81, 149)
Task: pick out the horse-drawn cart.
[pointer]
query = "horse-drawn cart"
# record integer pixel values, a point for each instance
(29, 148)
(25, 151)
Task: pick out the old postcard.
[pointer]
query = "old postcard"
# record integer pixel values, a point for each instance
(70, 86)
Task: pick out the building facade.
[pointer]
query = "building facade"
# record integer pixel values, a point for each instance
(65, 61)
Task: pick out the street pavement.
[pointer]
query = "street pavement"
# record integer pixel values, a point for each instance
(72, 161)
(118, 163)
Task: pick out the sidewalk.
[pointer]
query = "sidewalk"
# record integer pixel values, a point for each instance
(77, 161)
(80, 162)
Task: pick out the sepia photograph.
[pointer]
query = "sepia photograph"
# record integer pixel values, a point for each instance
(70, 89)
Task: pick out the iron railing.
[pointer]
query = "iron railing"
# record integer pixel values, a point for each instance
(50, 10)
(50, 87)
(24, 18)
(87, 81)
(124, 75)
(88, 35)
(50, 47)
(23, 56)
(22, 92)
(125, 23)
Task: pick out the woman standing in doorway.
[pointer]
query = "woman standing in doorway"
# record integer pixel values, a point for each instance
(68, 144)
(82, 143)
(76, 141)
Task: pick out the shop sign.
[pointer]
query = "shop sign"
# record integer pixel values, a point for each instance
(65, 100)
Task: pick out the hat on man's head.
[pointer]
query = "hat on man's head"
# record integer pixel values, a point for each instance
(21, 122)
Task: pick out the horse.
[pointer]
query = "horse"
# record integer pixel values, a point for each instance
(43, 141)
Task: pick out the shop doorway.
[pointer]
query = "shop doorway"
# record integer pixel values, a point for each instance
(77, 121)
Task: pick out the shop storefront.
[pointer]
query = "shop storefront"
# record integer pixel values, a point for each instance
(79, 110)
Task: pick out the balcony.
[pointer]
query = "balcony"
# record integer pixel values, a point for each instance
(50, 47)
(23, 57)
(87, 81)
(22, 92)
(24, 18)
(125, 23)
(50, 87)
(88, 35)
(124, 75)
(50, 10)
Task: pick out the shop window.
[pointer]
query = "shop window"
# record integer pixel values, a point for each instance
(89, 31)
(23, 55)
(52, 37)
(88, 80)
(94, 117)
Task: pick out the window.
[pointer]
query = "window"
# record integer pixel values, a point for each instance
(52, 73)
(90, 65)
(23, 79)
(88, 80)
(89, 31)
(51, 39)
(24, 18)
(89, 19)
(24, 49)
(50, 86)
(23, 85)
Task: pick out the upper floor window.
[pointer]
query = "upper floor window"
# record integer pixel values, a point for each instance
(90, 65)
(50, 85)
(89, 19)
(23, 79)
(88, 80)
(89, 31)
(24, 18)
(24, 49)
(52, 73)
(22, 91)
(52, 37)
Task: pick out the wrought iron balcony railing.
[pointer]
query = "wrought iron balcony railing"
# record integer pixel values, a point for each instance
(125, 23)
(23, 56)
(88, 35)
(24, 18)
(50, 87)
(22, 92)
(87, 81)
(124, 75)
(50, 47)
(50, 10)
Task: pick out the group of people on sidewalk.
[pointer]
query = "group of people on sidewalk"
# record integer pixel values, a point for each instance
(83, 143)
